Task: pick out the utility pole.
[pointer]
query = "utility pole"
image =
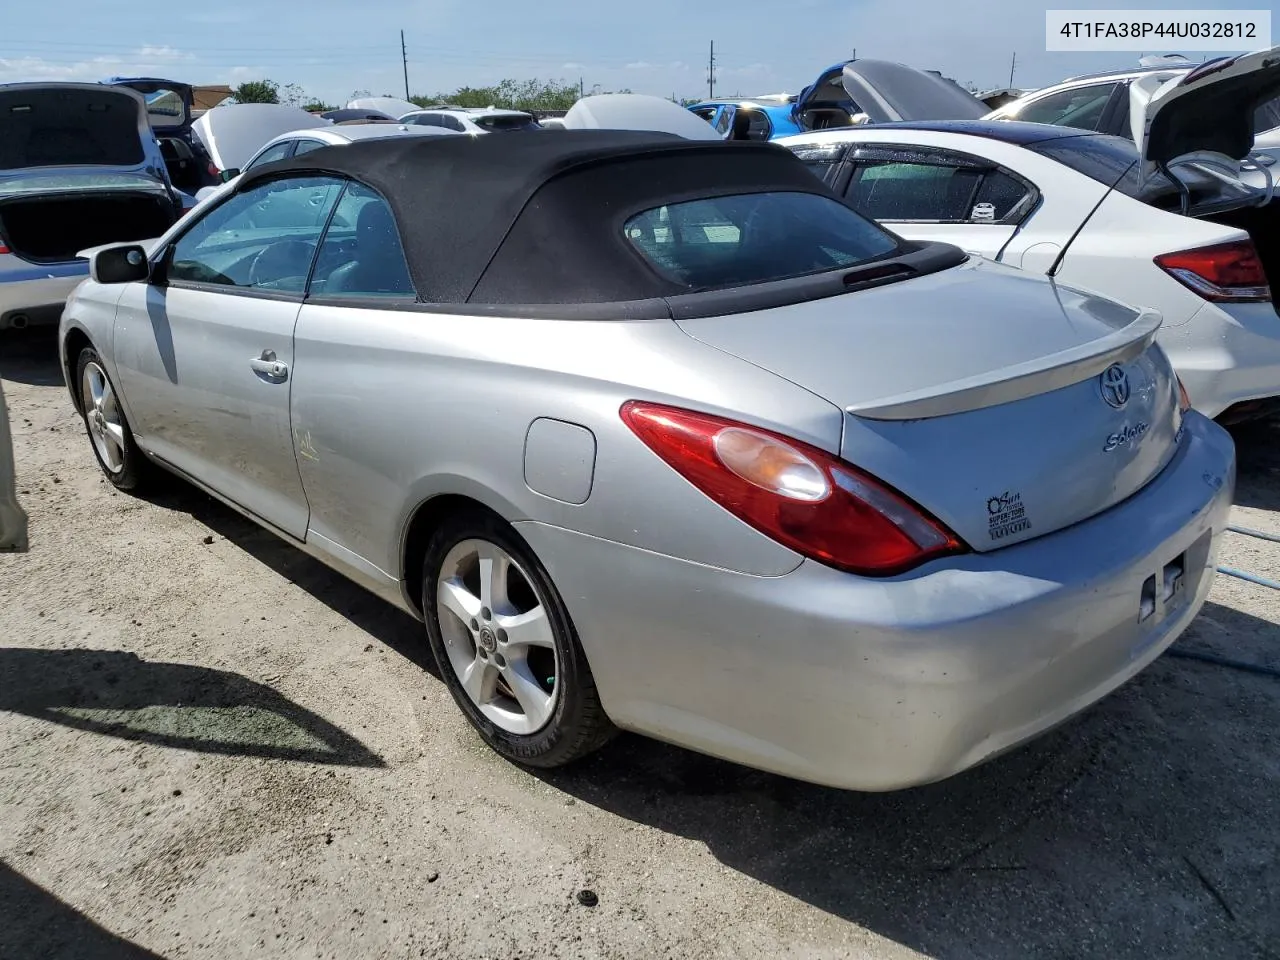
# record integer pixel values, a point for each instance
(711, 73)
(1012, 66)
(582, 90)
(855, 54)
(404, 59)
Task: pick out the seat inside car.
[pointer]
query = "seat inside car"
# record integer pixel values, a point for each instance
(379, 265)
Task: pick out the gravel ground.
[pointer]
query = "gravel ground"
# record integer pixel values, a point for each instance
(214, 747)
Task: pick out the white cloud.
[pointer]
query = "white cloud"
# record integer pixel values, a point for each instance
(166, 52)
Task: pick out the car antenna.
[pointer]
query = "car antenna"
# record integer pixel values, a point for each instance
(1057, 263)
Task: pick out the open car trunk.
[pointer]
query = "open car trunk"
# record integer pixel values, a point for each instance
(53, 228)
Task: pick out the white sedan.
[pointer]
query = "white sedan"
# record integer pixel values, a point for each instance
(1093, 212)
(476, 120)
(297, 143)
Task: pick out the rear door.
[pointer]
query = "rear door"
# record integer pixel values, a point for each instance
(924, 193)
(205, 353)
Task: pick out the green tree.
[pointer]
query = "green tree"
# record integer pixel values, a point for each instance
(257, 91)
(515, 95)
(318, 106)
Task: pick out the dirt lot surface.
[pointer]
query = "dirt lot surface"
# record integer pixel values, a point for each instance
(214, 747)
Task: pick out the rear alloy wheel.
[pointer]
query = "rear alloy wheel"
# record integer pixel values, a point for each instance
(104, 419)
(505, 646)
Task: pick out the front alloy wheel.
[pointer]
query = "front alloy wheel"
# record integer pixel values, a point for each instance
(124, 464)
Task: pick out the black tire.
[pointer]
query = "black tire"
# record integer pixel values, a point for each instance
(578, 724)
(136, 470)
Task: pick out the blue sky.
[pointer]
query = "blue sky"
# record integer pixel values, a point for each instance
(660, 46)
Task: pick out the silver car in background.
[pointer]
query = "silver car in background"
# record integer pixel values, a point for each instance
(79, 167)
(658, 434)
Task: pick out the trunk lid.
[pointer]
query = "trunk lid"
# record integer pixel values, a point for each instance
(1209, 110)
(1008, 406)
(889, 92)
(86, 127)
(233, 133)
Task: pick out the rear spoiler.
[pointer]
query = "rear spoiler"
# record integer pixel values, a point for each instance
(1018, 382)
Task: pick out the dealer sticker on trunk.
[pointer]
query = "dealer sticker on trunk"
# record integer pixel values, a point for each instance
(1006, 516)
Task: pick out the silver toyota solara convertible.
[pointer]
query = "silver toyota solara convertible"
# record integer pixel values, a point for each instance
(659, 435)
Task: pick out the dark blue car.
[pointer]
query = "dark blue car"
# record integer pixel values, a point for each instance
(170, 108)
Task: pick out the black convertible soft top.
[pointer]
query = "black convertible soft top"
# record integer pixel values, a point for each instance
(537, 218)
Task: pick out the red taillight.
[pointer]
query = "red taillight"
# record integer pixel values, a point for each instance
(213, 170)
(4, 249)
(1225, 273)
(803, 497)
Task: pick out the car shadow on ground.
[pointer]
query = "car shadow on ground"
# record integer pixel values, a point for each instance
(174, 705)
(1258, 464)
(36, 923)
(31, 356)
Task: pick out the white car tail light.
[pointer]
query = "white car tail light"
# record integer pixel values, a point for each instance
(1224, 273)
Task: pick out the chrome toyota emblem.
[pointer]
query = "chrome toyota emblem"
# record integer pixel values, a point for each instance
(1114, 384)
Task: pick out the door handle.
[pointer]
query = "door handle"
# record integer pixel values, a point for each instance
(268, 368)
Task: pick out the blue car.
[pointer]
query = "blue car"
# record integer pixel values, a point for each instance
(752, 118)
(832, 100)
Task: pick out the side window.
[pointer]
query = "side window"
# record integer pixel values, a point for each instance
(751, 125)
(706, 113)
(1080, 107)
(261, 239)
(306, 146)
(913, 191)
(1000, 198)
(278, 152)
(427, 120)
(361, 256)
(453, 123)
(725, 118)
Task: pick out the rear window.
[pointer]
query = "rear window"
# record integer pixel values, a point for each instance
(503, 124)
(1107, 159)
(165, 108)
(754, 238)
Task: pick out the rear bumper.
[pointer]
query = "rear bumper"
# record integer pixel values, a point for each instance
(885, 684)
(36, 292)
(1226, 355)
